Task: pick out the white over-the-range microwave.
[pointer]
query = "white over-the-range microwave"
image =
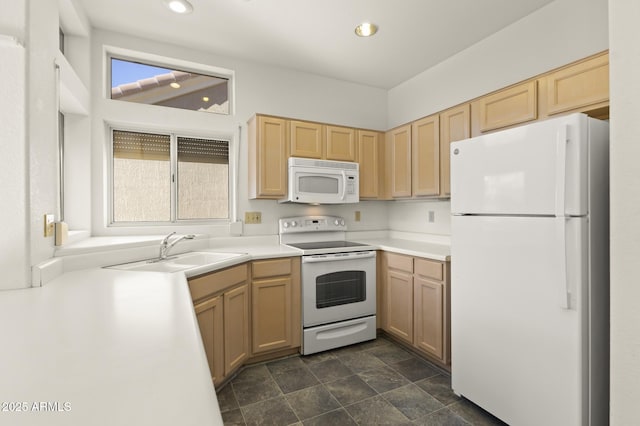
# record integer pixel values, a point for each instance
(322, 181)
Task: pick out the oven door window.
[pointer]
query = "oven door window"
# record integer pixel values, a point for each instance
(315, 184)
(340, 288)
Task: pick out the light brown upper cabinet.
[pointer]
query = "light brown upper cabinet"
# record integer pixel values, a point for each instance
(425, 152)
(514, 105)
(268, 153)
(340, 143)
(454, 126)
(583, 86)
(370, 151)
(306, 139)
(399, 161)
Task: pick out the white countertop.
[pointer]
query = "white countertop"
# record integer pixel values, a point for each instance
(429, 250)
(104, 347)
(111, 347)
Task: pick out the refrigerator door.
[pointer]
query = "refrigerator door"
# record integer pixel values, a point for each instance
(529, 170)
(518, 312)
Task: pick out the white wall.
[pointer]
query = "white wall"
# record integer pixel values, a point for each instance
(14, 214)
(413, 216)
(43, 28)
(557, 34)
(625, 211)
(259, 88)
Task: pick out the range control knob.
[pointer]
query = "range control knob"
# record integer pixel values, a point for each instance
(336, 222)
(294, 223)
(285, 225)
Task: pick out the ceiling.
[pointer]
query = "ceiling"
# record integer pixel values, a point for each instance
(317, 36)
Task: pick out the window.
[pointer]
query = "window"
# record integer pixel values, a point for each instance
(168, 178)
(149, 84)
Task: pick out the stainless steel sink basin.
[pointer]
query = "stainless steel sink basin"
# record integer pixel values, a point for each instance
(196, 262)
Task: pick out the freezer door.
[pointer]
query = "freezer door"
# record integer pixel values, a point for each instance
(538, 169)
(518, 316)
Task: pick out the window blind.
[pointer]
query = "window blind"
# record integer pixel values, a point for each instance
(194, 150)
(141, 146)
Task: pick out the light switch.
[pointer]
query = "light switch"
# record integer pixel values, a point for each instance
(252, 217)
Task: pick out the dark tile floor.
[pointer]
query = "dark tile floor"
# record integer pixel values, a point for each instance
(372, 383)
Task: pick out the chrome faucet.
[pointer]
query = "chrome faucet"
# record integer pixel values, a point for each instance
(165, 245)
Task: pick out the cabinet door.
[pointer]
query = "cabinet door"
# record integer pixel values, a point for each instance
(425, 150)
(271, 314)
(268, 152)
(454, 126)
(428, 316)
(369, 147)
(579, 86)
(209, 315)
(236, 328)
(306, 139)
(399, 318)
(399, 176)
(340, 143)
(515, 105)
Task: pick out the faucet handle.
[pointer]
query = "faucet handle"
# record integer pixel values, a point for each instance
(189, 236)
(165, 240)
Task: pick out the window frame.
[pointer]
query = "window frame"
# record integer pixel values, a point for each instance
(174, 178)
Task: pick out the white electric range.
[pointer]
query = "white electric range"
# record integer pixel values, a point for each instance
(338, 282)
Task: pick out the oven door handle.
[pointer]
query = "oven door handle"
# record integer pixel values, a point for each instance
(316, 258)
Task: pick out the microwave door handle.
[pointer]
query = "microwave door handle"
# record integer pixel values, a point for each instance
(344, 185)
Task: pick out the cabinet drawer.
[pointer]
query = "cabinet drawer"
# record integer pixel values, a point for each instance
(429, 268)
(271, 268)
(398, 261)
(216, 282)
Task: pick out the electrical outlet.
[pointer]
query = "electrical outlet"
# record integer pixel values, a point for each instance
(357, 216)
(49, 225)
(252, 217)
(432, 216)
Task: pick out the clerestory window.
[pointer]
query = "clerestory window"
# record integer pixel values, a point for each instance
(144, 83)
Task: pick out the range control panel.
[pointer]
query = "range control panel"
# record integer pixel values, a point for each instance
(290, 225)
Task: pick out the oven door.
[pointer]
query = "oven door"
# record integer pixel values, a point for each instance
(337, 287)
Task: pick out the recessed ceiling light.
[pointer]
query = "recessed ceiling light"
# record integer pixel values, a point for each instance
(366, 29)
(179, 6)
(205, 99)
(175, 85)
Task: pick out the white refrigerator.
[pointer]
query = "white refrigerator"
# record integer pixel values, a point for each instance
(530, 272)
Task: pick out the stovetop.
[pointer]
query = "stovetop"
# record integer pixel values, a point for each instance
(318, 235)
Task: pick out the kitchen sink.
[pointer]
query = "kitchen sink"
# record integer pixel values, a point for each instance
(192, 263)
(202, 258)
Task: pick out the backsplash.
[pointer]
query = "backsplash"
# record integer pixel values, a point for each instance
(413, 216)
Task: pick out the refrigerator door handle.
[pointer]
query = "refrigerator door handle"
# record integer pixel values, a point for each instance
(561, 244)
(561, 165)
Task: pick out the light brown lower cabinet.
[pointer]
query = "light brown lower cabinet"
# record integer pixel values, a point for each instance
(275, 306)
(221, 303)
(416, 304)
(210, 321)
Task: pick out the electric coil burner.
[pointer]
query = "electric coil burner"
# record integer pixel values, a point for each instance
(338, 282)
